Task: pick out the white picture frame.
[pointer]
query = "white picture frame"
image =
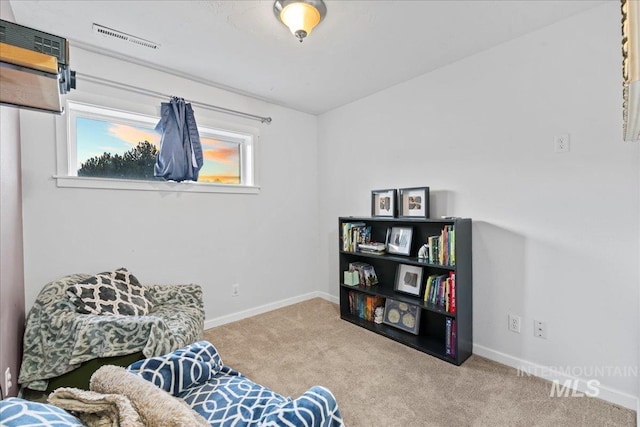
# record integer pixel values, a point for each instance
(409, 279)
(399, 241)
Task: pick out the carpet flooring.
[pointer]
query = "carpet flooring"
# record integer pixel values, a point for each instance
(378, 382)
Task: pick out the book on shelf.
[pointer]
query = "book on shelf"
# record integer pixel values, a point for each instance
(453, 337)
(358, 267)
(366, 273)
(364, 306)
(442, 248)
(433, 248)
(450, 337)
(440, 291)
(447, 336)
(452, 305)
(373, 248)
(352, 303)
(354, 233)
(366, 251)
(444, 244)
(370, 276)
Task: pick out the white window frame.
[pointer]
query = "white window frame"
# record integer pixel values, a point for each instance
(67, 175)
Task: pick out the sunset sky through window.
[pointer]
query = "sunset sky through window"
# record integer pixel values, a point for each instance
(95, 137)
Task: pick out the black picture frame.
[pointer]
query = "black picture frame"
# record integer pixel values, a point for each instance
(399, 240)
(413, 202)
(383, 203)
(402, 316)
(409, 280)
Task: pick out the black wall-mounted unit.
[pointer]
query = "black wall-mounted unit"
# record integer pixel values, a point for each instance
(34, 68)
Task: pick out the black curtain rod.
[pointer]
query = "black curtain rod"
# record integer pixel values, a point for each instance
(142, 91)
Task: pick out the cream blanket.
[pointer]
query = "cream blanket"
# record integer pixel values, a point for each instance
(96, 409)
(156, 407)
(121, 399)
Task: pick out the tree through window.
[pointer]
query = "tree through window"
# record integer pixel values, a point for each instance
(114, 144)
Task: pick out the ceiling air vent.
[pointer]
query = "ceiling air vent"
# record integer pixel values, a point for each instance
(108, 32)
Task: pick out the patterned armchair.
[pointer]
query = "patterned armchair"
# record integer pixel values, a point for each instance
(61, 335)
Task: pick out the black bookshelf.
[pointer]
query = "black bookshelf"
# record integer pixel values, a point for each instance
(431, 338)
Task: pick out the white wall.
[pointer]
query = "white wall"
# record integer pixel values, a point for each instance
(555, 235)
(267, 243)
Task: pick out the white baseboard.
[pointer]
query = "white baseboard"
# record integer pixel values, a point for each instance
(329, 297)
(211, 323)
(605, 393)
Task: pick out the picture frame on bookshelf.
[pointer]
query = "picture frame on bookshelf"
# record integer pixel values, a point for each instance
(409, 280)
(413, 202)
(383, 203)
(402, 316)
(399, 240)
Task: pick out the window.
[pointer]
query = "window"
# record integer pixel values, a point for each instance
(114, 150)
(119, 148)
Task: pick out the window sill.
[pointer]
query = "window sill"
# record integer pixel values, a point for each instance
(167, 186)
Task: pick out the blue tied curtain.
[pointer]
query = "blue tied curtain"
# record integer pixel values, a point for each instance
(180, 157)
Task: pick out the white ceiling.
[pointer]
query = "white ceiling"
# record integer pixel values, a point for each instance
(360, 48)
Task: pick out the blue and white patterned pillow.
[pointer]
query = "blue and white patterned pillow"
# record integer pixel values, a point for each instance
(16, 412)
(182, 369)
(224, 397)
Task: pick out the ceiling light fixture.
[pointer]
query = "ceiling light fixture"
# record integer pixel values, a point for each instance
(301, 16)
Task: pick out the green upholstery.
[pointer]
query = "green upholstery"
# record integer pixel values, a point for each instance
(79, 378)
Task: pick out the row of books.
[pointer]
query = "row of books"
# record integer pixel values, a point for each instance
(450, 337)
(354, 233)
(366, 273)
(442, 248)
(364, 306)
(441, 291)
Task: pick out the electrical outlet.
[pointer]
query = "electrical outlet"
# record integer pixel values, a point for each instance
(235, 290)
(514, 323)
(539, 329)
(561, 143)
(7, 381)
